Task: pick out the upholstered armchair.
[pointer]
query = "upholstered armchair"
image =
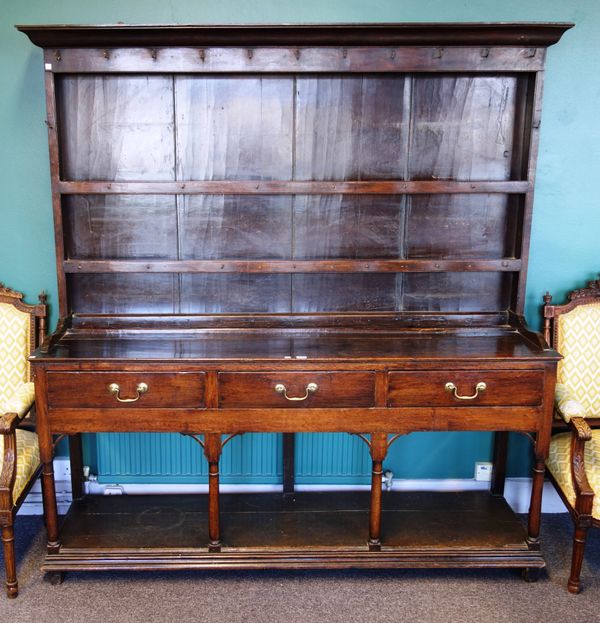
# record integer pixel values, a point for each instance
(22, 327)
(574, 461)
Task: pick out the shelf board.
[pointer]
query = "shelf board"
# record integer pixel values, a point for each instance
(292, 266)
(304, 530)
(293, 187)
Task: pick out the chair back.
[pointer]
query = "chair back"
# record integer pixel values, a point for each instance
(574, 330)
(22, 326)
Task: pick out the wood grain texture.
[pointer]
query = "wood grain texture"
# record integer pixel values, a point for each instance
(116, 128)
(90, 389)
(235, 292)
(236, 227)
(504, 387)
(335, 389)
(338, 226)
(332, 203)
(462, 127)
(120, 226)
(345, 292)
(123, 293)
(455, 292)
(460, 226)
(350, 128)
(234, 128)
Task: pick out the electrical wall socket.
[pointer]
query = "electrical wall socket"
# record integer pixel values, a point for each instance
(483, 471)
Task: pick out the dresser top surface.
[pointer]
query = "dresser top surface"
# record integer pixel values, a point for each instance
(296, 346)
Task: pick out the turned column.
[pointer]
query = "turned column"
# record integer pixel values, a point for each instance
(378, 449)
(541, 449)
(46, 446)
(212, 451)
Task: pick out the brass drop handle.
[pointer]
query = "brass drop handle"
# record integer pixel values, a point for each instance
(114, 389)
(311, 388)
(452, 389)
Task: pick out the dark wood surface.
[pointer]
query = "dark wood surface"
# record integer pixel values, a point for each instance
(299, 531)
(118, 35)
(504, 387)
(90, 389)
(238, 207)
(297, 348)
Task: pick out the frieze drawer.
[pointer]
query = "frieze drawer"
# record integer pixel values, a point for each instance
(125, 389)
(296, 389)
(459, 388)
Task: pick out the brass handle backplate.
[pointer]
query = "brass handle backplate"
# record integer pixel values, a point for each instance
(311, 388)
(452, 389)
(114, 389)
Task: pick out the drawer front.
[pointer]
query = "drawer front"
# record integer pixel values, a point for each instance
(98, 389)
(502, 388)
(269, 389)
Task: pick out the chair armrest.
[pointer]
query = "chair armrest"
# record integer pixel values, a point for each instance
(8, 473)
(581, 434)
(567, 405)
(8, 423)
(21, 401)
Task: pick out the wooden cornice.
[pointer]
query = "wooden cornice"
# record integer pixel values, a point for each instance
(534, 34)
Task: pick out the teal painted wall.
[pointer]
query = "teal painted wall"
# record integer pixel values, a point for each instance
(566, 227)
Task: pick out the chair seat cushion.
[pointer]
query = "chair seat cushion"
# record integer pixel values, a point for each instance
(28, 459)
(559, 465)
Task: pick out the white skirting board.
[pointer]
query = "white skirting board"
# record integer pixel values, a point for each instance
(517, 490)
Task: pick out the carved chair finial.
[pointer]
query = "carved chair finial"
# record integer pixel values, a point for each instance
(6, 291)
(592, 289)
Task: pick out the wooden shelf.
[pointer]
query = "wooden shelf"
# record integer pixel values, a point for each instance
(306, 530)
(290, 266)
(292, 187)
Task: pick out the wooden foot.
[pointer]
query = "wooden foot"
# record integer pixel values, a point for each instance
(55, 577)
(579, 539)
(8, 542)
(574, 587)
(374, 545)
(530, 574)
(12, 589)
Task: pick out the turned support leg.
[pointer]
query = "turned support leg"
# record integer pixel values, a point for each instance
(76, 460)
(50, 508)
(46, 445)
(499, 461)
(8, 542)
(535, 507)
(212, 451)
(579, 540)
(378, 449)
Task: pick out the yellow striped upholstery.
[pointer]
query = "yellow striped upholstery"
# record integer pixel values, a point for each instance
(579, 343)
(28, 458)
(566, 404)
(14, 349)
(559, 465)
(21, 400)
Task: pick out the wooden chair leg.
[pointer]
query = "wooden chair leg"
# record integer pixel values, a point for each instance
(8, 541)
(579, 540)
